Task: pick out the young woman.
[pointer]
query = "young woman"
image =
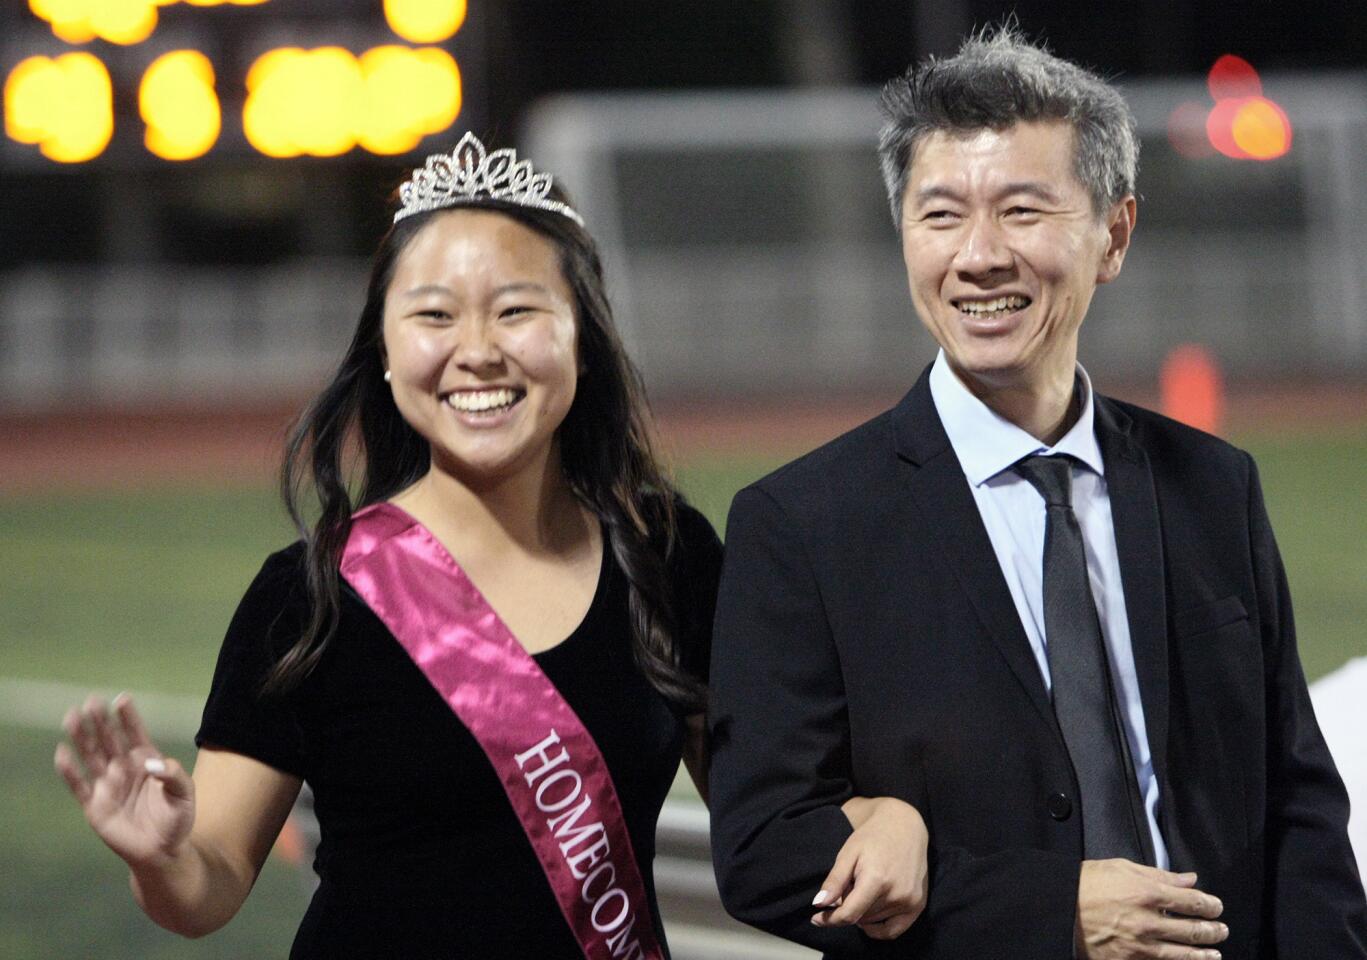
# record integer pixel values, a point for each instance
(486, 655)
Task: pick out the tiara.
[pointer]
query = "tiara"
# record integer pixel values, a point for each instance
(468, 174)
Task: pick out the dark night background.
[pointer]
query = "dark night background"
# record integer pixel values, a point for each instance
(514, 51)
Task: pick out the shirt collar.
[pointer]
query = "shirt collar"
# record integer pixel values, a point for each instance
(986, 443)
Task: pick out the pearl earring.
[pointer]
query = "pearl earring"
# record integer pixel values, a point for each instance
(386, 376)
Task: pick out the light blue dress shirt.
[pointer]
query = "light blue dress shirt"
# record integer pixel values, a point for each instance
(1013, 511)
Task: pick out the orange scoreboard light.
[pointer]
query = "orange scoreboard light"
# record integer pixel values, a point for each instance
(325, 102)
(175, 80)
(62, 105)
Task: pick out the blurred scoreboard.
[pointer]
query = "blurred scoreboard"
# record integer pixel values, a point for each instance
(148, 82)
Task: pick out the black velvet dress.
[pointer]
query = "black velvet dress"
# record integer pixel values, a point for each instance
(421, 855)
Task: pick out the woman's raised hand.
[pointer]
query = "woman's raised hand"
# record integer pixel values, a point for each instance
(141, 803)
(879, 880)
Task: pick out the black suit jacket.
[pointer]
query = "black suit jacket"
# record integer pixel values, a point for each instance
(866, 644)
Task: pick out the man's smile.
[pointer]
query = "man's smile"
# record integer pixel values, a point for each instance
(991, 309)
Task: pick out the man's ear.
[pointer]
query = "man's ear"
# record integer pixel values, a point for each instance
(1119, 228)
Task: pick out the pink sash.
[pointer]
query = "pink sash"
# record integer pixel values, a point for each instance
(552, 771)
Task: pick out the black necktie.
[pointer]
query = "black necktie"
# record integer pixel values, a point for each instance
(1084, 700)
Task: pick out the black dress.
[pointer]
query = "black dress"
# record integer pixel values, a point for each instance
(421, 855)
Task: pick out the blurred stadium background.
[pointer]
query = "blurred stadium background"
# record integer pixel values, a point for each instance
(191, 190)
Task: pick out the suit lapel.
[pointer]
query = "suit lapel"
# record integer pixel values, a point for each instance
(1138, 539)
(941, 495)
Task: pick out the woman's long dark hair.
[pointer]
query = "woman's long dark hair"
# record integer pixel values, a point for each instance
(353, 438)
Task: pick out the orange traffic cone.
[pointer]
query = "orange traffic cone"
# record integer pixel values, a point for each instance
(289, 846)
(1192, 388)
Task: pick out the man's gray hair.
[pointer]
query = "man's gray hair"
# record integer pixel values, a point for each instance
(998, 79)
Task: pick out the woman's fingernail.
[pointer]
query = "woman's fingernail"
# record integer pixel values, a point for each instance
(820, 898)
(154, 766)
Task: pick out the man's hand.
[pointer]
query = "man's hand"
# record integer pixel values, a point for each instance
(879, 880)
(1125, 910)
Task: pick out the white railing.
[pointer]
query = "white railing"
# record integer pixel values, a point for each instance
(749, 251)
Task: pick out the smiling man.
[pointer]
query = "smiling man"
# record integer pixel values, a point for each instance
(1054, 623)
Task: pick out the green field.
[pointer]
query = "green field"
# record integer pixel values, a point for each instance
(132, 591)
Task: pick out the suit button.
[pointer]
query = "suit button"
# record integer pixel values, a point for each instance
(1060, 807)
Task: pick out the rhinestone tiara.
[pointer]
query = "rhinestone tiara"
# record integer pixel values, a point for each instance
(469, 174)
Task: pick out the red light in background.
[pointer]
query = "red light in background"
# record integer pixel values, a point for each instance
(1220, 129)
(1233, 77)
(1253, 128)
(1243, 124)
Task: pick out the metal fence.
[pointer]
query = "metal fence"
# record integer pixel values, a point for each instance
(750, 251)
(753, 247)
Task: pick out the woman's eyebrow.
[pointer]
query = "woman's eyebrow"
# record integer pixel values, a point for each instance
(522, 286)
(427, 288)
